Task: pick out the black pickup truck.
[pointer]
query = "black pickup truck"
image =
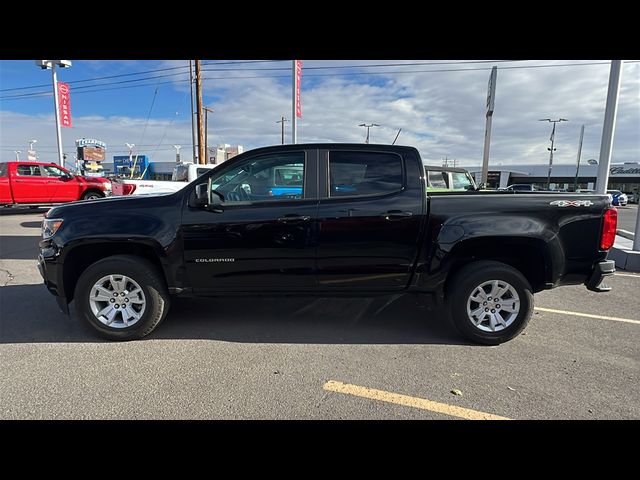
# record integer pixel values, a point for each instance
(326, 220)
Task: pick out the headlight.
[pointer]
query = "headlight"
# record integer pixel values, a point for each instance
(50, 226)
(107, 185)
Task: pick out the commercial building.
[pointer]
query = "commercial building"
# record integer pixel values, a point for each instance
(622, 176)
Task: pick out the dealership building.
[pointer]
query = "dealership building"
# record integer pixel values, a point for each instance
(622, 176)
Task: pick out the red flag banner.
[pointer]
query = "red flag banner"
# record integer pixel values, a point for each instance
(298, 82)
(64, 104)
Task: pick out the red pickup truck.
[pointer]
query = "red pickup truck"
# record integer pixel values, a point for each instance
(44, 183)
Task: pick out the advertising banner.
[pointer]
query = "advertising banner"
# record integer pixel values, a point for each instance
(64, 104)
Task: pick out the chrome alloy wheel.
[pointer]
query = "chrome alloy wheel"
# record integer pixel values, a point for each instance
(117, 301)
(493, 306)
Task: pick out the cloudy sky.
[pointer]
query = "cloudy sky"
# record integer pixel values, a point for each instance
(440, 106)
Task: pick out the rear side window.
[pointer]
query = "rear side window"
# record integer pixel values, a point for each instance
(364, 173)
(3, 169)
(436, 179)
(29, 170)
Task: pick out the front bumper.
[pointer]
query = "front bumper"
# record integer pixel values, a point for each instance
(49, 271)
(602, 269)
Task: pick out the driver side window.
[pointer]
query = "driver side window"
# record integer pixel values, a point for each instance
(274, 177)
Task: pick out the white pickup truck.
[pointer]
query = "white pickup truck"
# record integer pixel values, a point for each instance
(180, 178)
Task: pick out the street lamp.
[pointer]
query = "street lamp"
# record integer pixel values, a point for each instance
(31, 153)
(368, 126)
(51, 64)
(552, 138)
(17, 152)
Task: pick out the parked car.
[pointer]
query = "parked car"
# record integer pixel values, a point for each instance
(618, 198)
(444, 179)
(36, 183)
(384, 233)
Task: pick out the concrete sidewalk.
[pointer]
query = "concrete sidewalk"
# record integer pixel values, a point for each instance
(624, 256)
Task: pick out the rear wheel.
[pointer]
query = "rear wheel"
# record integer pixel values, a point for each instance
(122, 297)
(489, 302)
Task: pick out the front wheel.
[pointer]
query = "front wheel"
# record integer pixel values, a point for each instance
(489, 302)
(122, 297)
(92, 195)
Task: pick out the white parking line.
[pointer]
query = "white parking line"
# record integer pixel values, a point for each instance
(588, 315)
(626, 275)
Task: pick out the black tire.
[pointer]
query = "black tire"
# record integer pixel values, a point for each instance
(92, 195)
(462, 286)
(142, 272)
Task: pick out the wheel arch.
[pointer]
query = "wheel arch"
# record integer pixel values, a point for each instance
(78, 258)
(530, 256)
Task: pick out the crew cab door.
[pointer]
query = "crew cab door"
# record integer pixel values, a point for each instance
(61, 186)
(260, 238)
(369, 219)
(28, 184)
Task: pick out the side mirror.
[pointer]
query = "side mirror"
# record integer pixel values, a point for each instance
(65, 177)
(201, 196)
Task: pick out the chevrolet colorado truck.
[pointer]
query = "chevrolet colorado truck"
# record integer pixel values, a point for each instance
(361, 223)
(36, 183)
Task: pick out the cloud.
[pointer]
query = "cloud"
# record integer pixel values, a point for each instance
(440, 113)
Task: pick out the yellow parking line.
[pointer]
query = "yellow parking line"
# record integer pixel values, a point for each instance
(407, 401)
(588, 315)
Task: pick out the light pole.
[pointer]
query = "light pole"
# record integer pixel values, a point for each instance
(131, 165)
(177, 147)
(31, 153)
(368, 127)
(17, 152)
(552, 138)
(575, 181)
(51, 64)
(31, 142)
(206, 133)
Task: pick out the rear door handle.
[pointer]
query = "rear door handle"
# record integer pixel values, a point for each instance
(396, 215)
(19, 181)
(294, 218)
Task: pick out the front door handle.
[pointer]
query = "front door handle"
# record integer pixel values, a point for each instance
(292, 218)
(396, 215)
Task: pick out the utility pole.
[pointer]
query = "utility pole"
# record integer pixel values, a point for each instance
(206, 133)
(282, 120)
(201, 153)
(368, 127)
(551, 150)
(575, 182)
(193, 118)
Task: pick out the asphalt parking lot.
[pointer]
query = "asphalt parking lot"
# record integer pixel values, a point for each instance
(380, 358)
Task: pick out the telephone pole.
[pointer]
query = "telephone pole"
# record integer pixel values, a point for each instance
(206, 133)
(193, 118)
(282, 120)
(201, 153)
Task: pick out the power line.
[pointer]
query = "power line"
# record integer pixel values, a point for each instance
(47, 93)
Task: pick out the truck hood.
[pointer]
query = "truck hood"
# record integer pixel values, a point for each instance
(111, 205)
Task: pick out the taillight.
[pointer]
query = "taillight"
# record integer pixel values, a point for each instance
(128, 188)
(609, 226)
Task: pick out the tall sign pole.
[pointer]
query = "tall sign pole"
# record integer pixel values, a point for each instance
(296, 103)
(57, 111)
(491, 98)
(575, 181)
(609, 127)
(193, 118)
(201, 152)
